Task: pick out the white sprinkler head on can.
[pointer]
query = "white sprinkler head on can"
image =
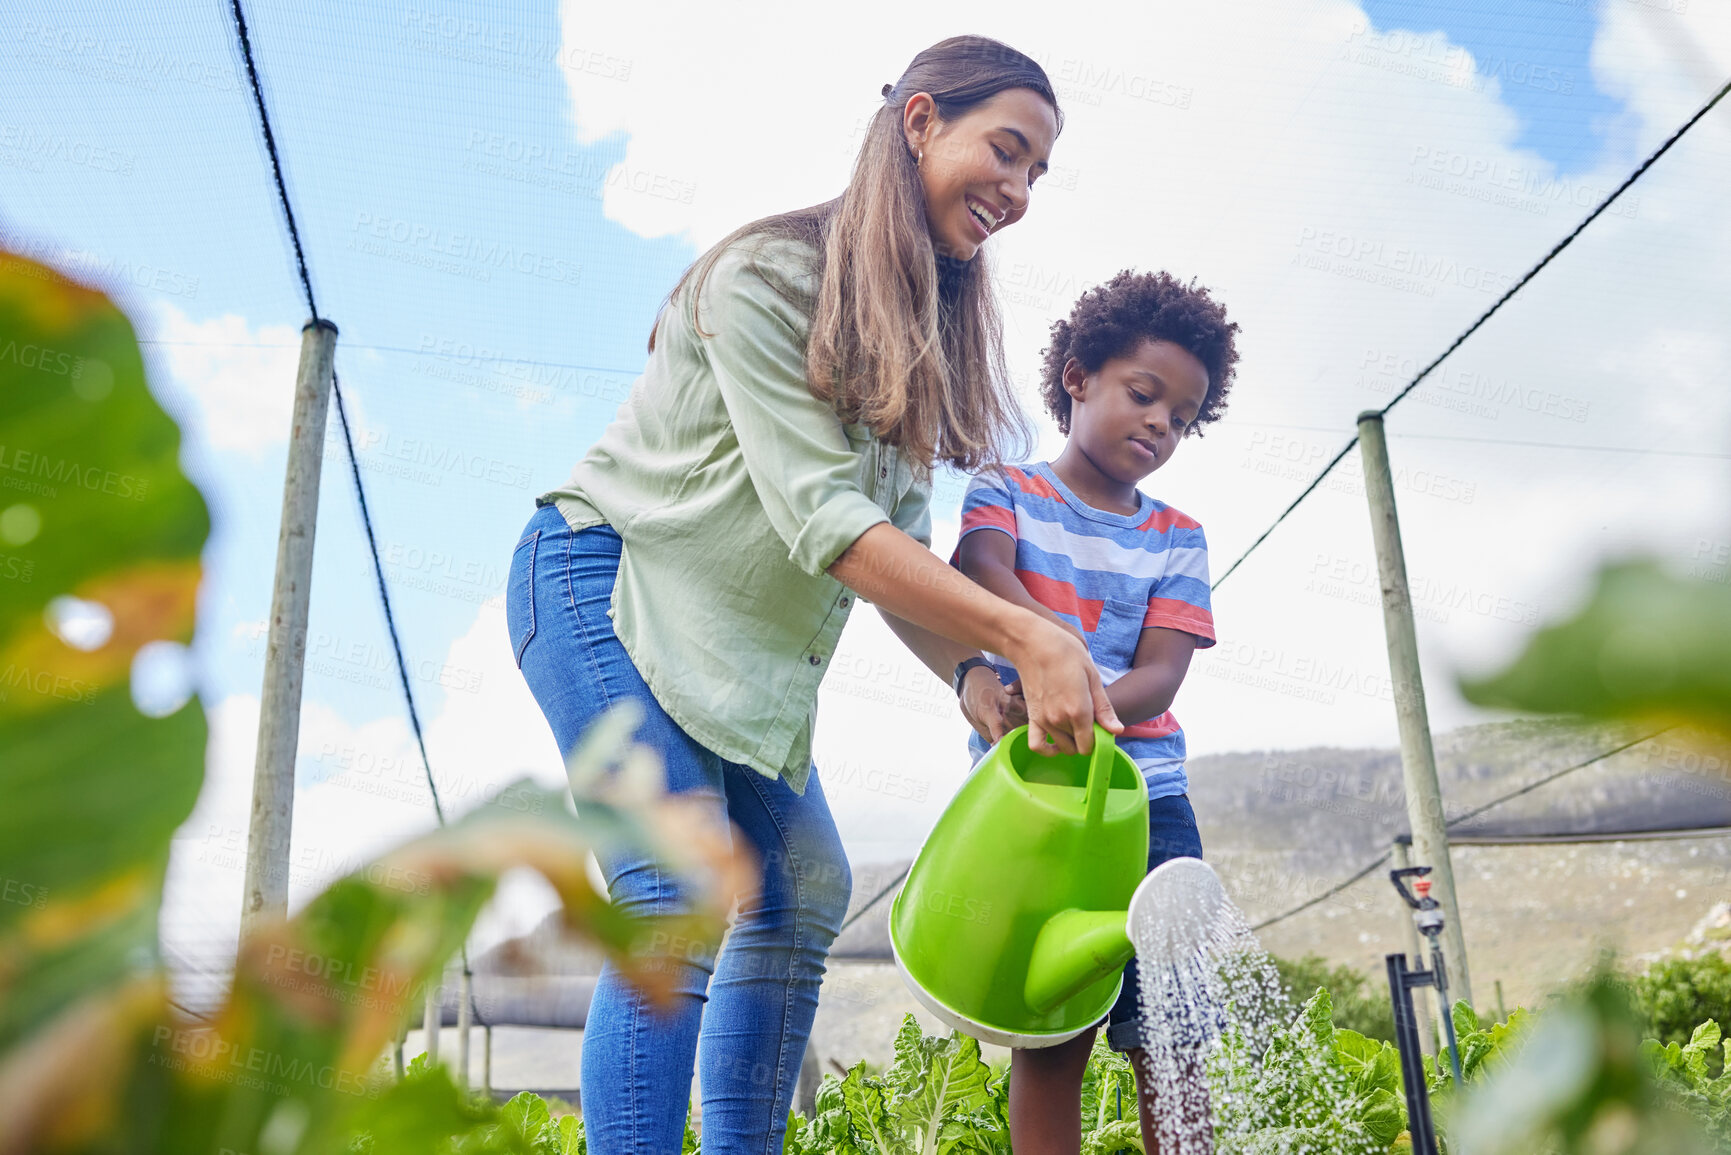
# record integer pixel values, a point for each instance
(1174, 913)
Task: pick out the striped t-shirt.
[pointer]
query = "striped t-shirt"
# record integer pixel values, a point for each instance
(1111, 575)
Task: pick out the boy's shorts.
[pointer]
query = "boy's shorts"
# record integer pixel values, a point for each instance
(1172, 833)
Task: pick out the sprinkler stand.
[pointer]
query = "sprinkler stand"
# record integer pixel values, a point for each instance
(1401, 982)
(1428, 917)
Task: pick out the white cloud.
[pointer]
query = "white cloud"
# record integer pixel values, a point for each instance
(499, 734)
(740, 112)
(1664, 60)
(240, 377)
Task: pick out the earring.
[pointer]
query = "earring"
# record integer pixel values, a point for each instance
(918, 156)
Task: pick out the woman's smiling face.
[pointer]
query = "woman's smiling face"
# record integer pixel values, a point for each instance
(978, 169)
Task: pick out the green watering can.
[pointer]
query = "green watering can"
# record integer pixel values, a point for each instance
(1011, 925)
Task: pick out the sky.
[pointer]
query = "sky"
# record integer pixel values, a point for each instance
(495, 199)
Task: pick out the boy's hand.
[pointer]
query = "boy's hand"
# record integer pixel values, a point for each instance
(1015, 706)
(984, 704)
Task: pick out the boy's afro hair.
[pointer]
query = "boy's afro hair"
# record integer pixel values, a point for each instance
(1113, 319)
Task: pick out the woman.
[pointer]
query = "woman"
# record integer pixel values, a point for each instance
(772, 463)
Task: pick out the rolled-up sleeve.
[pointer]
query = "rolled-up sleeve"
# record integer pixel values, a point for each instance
(913, 515)
(799, 458)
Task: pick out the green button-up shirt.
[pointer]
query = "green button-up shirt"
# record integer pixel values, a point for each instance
(733, 489)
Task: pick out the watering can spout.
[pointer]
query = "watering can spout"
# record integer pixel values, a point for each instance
(1074, 949)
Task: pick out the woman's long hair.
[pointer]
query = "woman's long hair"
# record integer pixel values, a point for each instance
(902, 339)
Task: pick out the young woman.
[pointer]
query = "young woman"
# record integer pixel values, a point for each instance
(773, 463)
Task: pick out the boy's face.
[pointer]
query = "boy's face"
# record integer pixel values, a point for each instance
(1128, 418)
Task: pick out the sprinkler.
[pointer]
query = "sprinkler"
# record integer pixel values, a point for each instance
(1428, 916)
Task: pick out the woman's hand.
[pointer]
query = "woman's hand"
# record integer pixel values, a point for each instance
(986, 704)
(1061, 685)
(1062, 689)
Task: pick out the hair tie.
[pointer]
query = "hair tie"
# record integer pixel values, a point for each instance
(888, 88)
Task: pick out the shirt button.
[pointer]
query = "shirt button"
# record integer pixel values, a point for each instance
(842, 603)
(814, 660)
(883, 471)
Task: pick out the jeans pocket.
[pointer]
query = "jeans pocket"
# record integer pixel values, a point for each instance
(520, 595)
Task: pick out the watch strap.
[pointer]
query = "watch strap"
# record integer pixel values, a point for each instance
(962, 668)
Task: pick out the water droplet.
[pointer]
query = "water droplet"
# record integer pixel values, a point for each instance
(1235, 1069)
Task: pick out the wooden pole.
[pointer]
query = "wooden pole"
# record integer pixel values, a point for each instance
(1424, 810)
(465, 989)
(273, 777)
(432, 1021)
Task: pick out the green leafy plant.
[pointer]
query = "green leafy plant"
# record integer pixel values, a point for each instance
(1359, 1003)
(97, 519)
(1483, 1049)
(1314, 1088)
(1577, 1080)
(97, 776)
(937, 1095)
(1685, 1069)
(1676, 995)
(426, 1112)
(1647, 645)
(1110, 1117)
(1343, 1089)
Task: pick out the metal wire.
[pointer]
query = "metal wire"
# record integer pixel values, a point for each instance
(1556, 250)
(1460, 818)
(276, 165)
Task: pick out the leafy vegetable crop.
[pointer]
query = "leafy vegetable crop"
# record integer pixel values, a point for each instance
(1675, 995)
(1684, 1071)
(1313, 1087)
(1316, 1089)
(937, 1095)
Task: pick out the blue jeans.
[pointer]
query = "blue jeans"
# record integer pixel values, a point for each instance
(762, 989)
(1172, 834)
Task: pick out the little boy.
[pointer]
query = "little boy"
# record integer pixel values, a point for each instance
(1142, 362)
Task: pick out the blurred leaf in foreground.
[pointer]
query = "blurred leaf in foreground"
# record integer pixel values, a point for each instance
(1580, 1084)
(1648, 645)
(99, 564)
(100, 534)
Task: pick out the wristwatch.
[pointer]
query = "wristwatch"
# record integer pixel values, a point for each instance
(962, 668)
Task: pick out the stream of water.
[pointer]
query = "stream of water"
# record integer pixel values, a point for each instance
(1232, 1072)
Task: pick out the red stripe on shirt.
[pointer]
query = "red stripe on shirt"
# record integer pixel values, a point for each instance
(993, 516)
(1162, 520)
(1061, 598)
(1179, 615)
(1153, 728)
(1034, 485)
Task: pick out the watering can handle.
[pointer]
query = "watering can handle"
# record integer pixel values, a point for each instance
(1100, 772)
